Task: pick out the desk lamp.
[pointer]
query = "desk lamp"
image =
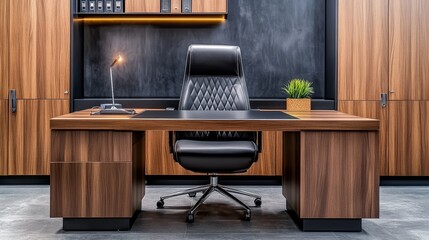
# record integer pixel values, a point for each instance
(114, 108)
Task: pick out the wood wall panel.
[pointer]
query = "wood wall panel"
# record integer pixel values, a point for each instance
(40, 49)
(4, 128)
(408, 138)
(362, 49)
(339, 174)
(161, 162)
(409, 52)
(209, 6)
(53, 48)
(29, 135)
(144, 6)
(371, 109)
(176, 6)
(91, 190)
(91, 146)
(4, 49)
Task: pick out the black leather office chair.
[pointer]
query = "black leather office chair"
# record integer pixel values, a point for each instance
(214, 81)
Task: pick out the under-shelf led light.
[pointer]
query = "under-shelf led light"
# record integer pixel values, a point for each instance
(156, 19)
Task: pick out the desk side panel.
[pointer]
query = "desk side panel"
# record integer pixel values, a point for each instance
(91, 146)
(339, 174)
(97, 174)
(139, 158)
(291, 170)
(96, 190)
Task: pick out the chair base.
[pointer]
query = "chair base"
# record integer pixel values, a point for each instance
(207, 191)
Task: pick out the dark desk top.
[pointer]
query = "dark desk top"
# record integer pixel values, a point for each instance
(215, 115)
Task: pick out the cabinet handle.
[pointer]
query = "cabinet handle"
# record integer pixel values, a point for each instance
(383, 100)
(12, 100)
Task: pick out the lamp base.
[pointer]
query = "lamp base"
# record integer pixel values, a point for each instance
(118, 111)
(110, 105)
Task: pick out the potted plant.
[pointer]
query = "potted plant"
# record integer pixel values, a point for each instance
(299, 92)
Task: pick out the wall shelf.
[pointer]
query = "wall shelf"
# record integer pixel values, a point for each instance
(151, 18)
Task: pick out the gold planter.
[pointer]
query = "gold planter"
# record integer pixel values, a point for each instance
(298, 104)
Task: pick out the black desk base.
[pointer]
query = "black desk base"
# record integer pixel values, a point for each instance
(325, 225)
(99, 224)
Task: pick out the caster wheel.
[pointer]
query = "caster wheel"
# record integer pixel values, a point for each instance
(247, 216)
(192, 194)
(190, 218)
(258, 202)
(160, 204)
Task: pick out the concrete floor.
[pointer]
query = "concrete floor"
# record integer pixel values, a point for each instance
(24, 214)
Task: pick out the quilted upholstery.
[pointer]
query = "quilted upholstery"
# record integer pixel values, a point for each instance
(213, 93)
(210, 91)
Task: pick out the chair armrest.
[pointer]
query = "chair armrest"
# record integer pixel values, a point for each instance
(171, 141)
(171, 137)
(259, 141)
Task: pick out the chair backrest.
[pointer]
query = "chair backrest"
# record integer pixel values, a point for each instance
(214, 81)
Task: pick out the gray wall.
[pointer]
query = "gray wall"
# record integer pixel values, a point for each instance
(279, 40)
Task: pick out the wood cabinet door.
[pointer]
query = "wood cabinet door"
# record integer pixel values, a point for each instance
(143, 6)
(209, 6)
(371, 109)
(39, 50)
(4, 128)
(29, 135)
(409, 51)
(4, 49)
(408, 138)
(363, 67)
(159, 160)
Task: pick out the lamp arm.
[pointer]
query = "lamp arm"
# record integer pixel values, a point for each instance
(111, 84)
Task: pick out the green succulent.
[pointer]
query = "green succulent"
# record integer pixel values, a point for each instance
(298, 88)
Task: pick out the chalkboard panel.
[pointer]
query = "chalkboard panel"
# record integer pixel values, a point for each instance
(279, 40)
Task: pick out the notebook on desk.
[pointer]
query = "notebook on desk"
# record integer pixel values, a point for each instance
(216, 115)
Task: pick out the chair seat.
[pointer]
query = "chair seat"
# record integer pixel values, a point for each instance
(216, 156)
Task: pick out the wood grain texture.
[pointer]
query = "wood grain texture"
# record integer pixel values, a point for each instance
(4, 49)
(408, 138)
(291, 169)
(409, 52)
(161, 162)
(371, 109)
(209, 6)
(363, 67)
(29, 135)
(279, 153)
(98, 189)
(4, 129)
(313, 120)
(339, 174)
(143, 6)
(266, 164)
(40, 49)
(176, 6)
(91, 190)
(138, 158)
(91, 146)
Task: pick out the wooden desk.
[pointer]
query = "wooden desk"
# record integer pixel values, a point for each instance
(330, 167)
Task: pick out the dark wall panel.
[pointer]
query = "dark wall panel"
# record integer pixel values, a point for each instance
(279, 39)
